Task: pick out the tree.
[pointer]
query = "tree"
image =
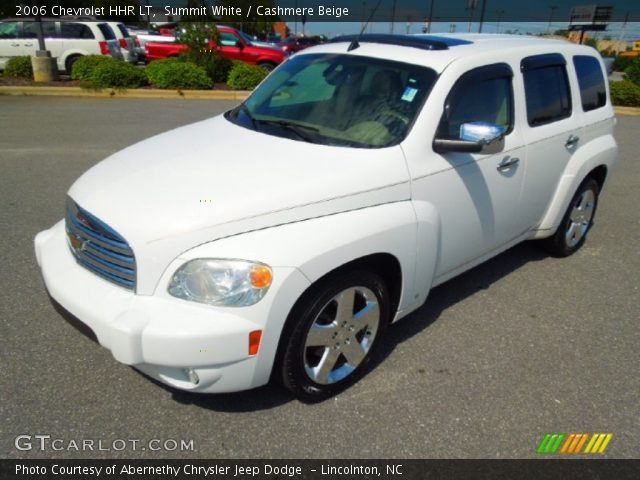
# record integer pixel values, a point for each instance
(253, 24)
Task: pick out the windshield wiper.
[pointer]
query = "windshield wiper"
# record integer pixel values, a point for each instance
(293, 127)
(243, 108)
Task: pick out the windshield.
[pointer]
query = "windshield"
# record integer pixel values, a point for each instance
(337, 99)
(247, 38)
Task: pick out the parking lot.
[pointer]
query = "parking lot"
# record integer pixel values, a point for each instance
(517, 347)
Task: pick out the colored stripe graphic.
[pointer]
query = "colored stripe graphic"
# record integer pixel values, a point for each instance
(550, 442)
(598, 443)
(572, 443)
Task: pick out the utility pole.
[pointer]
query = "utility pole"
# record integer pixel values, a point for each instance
(624, 26)
(500, 12)
(482, 10)
(472, 6)
(45, 68)
(393, 15)
(430, 17)
(552, 8)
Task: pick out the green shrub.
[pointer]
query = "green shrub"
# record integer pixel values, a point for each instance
(84, 66)
(19, 67)
(117, 74)
(632, 72)
(175, 74)
(625, 93)
(217, 66)
(622, 63)
(244, 76)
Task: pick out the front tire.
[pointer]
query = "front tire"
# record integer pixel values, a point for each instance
(268, 66)
(577, 221)
(333, 333)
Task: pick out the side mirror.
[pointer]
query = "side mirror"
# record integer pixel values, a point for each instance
(475, 137)
(239, 44)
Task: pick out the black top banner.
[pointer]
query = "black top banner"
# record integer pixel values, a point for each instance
(585, 11)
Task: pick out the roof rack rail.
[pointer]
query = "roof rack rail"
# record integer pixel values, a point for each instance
(423, 42)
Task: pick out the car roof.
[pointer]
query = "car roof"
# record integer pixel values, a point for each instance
(438, 51)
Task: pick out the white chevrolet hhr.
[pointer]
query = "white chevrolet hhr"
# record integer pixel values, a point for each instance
(282, 237)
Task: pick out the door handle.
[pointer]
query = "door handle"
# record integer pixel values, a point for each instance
(15, 44)
(28, 44)
(507, 163)
(572, 141)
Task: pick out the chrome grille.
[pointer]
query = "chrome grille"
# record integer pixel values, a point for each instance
(99, 248)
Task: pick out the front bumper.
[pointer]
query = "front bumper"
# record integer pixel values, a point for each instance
(167, 339)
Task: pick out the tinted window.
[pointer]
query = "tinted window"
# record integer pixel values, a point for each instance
(483, 95)
(591, 80)
(76, 30)
(30, 30)
(123, 30)
(546, 90)
(228, 39)
(106, 31)
(9, 30)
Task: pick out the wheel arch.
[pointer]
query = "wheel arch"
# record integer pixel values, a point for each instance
(595, 160)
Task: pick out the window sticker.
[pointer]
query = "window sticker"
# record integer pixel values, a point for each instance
(409, 94)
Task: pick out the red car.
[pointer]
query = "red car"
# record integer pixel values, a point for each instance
(233, 45)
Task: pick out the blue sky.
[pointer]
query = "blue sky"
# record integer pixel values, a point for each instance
(632, 29)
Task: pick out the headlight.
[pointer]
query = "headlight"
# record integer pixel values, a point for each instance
(229, 283)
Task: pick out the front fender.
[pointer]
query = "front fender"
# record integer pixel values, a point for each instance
(318, 246)
(312, 248)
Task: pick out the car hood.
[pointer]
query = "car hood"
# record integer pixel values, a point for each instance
(213, 179)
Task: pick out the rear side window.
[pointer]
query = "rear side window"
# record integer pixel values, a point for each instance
(106, 31)
(481, 95)
(9, 30)
(30, 30)
(76, 30)
(123, 30)
(591, 80)
(546, 89)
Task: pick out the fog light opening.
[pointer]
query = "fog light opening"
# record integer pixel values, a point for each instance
(192, 376)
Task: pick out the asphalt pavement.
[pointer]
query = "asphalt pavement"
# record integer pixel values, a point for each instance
(518, 347)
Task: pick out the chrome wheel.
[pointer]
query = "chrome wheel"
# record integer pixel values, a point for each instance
(341, 335)
(580, 218)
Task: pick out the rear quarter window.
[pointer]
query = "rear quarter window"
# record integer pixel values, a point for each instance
(76, 31)
(106, 31)
(123, 30)
(547, 92)
(593, 92)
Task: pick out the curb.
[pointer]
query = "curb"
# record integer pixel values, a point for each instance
(170, 94)
(133, 93)
(634, 111)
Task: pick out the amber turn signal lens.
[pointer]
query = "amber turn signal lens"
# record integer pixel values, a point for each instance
(261, 276)
(254, 342)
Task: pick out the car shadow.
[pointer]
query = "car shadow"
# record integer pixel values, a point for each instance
(440, 298)
(456, 290)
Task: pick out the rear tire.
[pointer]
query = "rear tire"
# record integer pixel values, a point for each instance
(68, 64)
(333, 333)
(577, 221)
